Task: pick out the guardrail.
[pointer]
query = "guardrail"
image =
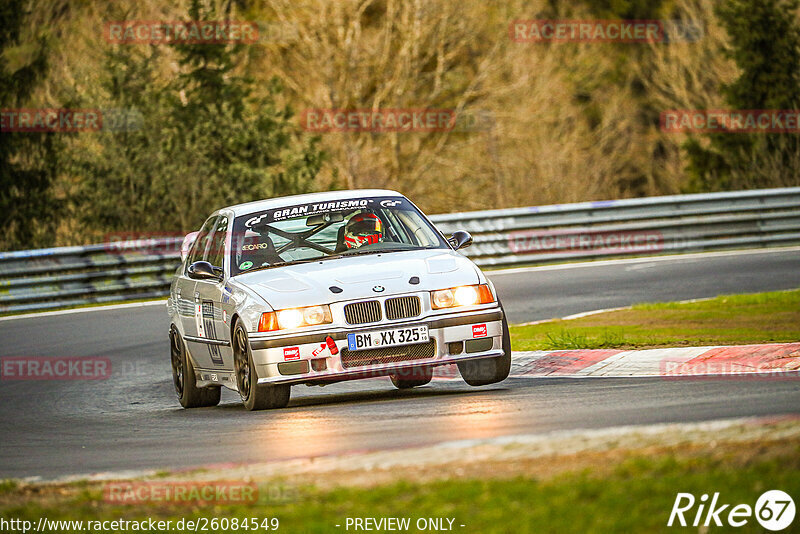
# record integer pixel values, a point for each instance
(129, 270)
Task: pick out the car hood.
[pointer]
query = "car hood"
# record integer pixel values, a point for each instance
(307, 284)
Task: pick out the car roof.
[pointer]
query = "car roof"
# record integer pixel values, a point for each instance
(278, 202)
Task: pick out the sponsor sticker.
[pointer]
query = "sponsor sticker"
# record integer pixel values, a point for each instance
(316, 352)
(304, 210)
(291, 353)
(198, 317)
(479, 330)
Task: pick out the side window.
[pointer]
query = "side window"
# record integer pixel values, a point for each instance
(396, 231)
(217, 251)
(199, 247)
(422, 234)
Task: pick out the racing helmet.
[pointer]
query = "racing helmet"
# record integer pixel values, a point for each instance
(363, 229)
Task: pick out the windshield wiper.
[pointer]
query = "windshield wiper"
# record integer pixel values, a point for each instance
(309, 260)
(374, 251)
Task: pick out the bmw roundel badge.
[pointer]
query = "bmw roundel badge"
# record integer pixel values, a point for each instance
(378, 289)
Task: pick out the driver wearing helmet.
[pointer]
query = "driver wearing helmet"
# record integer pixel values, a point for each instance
(363, 229)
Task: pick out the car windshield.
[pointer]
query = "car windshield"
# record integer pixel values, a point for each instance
(328, 230)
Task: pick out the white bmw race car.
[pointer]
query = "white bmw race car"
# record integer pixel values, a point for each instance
(325, 287)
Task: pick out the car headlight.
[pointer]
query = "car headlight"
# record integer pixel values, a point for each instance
(461, 296)
(294, 318)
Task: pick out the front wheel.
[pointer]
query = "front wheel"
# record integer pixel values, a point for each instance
(184, 379)
(489, 370)
(254, 397)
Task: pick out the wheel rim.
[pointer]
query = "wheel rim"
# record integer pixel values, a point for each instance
(177, 363)
(242, 363)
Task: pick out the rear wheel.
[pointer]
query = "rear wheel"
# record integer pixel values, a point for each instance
(411, 378)
(489, 370)
(184, 379)
(254, 397)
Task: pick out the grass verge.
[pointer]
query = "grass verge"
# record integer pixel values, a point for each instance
(607, 491)
(772, 317)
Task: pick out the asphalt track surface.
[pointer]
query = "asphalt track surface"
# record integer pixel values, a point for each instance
(132, 420)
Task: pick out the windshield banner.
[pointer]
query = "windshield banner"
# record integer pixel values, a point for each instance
(303, 210)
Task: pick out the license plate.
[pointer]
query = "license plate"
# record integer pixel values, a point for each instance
(394, 337)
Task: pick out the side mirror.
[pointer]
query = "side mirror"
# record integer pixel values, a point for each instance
(202, 270)
(460, 239)
(188, 241)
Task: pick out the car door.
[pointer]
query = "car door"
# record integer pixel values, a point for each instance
(185, 286)
(199, 329)
(214, 313)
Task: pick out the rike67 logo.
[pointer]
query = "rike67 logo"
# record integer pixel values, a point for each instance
(774, 510)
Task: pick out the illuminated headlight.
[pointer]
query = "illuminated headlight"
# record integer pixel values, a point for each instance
(294, 318)
(466, 296)
(461, 296)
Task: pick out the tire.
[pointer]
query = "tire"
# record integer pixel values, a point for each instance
(489, 370)
(254, 397)
(411, 378)
(184, 379)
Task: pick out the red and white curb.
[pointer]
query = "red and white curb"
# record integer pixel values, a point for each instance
(770, 361)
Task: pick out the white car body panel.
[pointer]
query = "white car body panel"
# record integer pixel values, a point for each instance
(308, 284)
(369, 277)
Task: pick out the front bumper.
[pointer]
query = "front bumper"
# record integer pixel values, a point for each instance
(307, 359)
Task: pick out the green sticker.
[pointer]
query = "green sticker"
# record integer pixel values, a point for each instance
(245, 265)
